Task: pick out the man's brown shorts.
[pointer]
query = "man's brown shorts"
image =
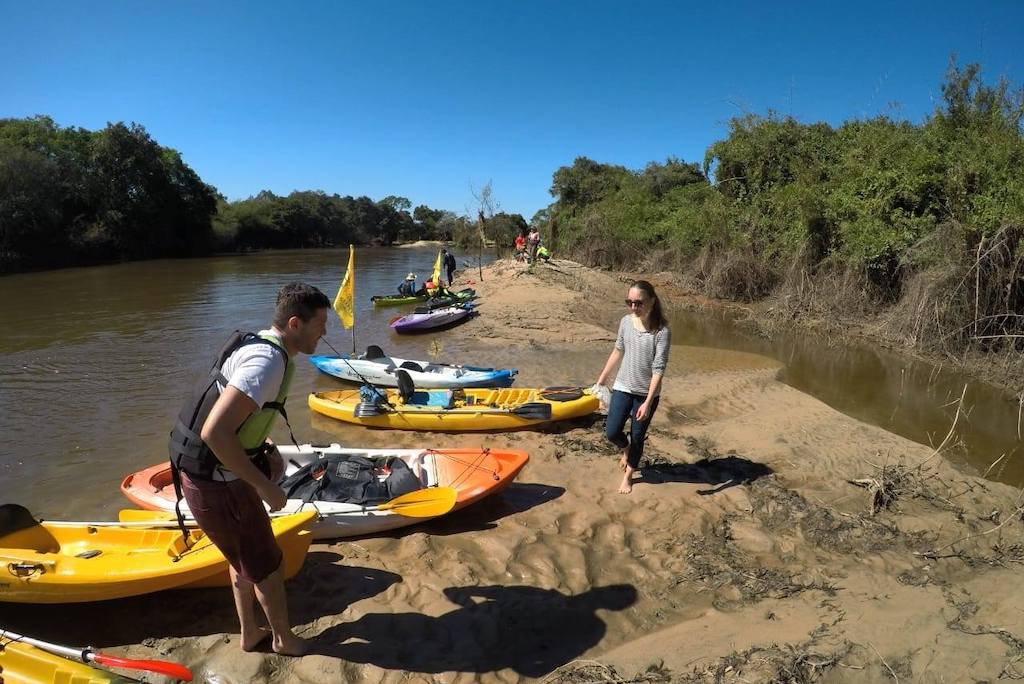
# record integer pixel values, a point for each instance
(233, 517)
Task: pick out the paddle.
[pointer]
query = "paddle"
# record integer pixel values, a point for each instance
(88, 655)
(422, 503)
(429, 502)
(534, 411)
(381, 393)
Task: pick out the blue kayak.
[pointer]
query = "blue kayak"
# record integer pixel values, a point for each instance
(380, 370)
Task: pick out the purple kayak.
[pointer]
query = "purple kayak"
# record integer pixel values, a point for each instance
(423, 319)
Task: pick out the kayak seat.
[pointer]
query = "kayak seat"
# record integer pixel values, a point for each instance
(15, 518)
(412, 365)
(373, 352)
(439, 398)
(406, 388)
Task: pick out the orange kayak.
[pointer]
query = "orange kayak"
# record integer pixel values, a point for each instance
(474, 473)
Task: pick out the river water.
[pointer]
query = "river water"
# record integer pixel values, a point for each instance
(94, 363)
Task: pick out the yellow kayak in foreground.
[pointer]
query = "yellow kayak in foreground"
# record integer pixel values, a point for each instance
(24, 664)
(455, 410)
(54, 562)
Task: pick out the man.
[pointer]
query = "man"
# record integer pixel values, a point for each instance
(226, 469)
(408, 286)
(449, 265)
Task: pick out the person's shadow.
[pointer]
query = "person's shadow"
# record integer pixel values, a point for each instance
(720, 472)
(529, 630)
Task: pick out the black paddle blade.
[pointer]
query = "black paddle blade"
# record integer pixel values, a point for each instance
(534, 411)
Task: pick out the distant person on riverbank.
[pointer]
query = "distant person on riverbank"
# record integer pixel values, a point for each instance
(543, 253)
(520, 252)
(642, 346)
(532, 242)
(449, 265)
(224, 466)
(408, 286)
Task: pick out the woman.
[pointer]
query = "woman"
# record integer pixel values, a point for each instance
(532, 240)
(642, 346)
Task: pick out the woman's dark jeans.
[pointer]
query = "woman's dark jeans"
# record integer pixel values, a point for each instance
(624, 405)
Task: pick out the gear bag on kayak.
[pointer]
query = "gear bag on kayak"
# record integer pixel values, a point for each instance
(351, 478)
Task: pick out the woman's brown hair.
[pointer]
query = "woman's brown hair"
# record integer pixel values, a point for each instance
(657, 316)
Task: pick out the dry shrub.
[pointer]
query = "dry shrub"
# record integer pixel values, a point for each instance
(821, 288)
(662, 259)
(734, 273)
(971, 296)
(594, 672)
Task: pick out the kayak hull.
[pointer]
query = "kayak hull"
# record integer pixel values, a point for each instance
(398, 300)
(55, 562)
(381, 372)
(474, 473)
(438, 318)
(483, 409)
(21, 663)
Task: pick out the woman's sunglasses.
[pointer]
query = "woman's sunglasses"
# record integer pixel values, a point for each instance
(635, 302)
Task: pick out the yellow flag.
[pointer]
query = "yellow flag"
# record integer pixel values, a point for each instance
(345, 302)
(436, 277)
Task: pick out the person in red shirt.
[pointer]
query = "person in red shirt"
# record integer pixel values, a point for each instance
(520, 245)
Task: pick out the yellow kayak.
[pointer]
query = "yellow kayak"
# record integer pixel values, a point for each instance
(454, 409)
(24, 664)
(54, 562)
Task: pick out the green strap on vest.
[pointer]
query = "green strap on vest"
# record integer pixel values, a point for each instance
(256, 428)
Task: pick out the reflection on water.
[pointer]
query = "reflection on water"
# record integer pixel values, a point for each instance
(94, 363)
(911, 398)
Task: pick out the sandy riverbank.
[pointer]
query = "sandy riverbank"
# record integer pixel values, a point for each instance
(744, 554)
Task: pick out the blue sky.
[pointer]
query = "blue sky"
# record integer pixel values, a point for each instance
(429, 99)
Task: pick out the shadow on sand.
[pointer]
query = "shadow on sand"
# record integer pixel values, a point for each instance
(484, 514)
(720, 472)
(529, 630)
(193, 612)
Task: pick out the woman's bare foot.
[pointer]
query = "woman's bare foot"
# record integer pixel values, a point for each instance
(291, 645)
(251, 642)
(627, 481)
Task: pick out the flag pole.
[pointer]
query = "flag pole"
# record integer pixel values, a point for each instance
(352, 275)
(345, 301)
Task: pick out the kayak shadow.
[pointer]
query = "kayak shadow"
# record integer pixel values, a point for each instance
(560, 427)
(720, 472)
(327, 588)
(526, 629)
(483, 515)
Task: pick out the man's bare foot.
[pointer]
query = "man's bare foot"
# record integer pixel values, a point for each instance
(627, 486)
(251, 642)
(291, 645)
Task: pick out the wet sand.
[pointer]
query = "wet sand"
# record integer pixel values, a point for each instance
(744, 553)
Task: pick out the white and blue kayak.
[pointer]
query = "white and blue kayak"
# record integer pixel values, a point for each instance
(379, 369)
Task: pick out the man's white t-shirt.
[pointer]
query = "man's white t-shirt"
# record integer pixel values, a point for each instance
(256, 370)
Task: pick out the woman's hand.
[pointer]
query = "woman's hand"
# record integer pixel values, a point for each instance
(642, 410)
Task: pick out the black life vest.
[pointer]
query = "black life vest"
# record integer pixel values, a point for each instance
(186, 448)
